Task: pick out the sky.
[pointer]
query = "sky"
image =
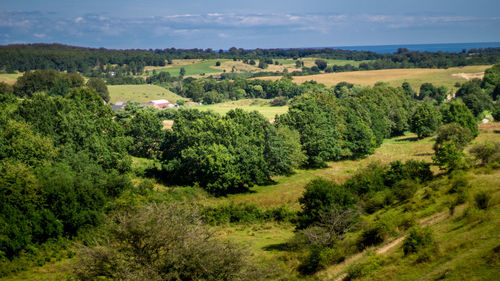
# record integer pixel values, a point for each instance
(221, 24)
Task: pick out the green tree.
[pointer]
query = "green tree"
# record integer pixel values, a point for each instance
(457, 112)
(182, 72)
(146, 130)
(100, 87)
(425, 120)
(321, 64)
(314, 117)
(319, 197)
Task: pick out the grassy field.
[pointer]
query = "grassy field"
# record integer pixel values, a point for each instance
(395, 77)
(260, 105)
(9, 78)
(309, 62)
(192, 67)
(141, 93)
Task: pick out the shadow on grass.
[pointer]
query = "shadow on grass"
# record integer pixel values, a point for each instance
(411, 139)
(282, 247)
(424, 154)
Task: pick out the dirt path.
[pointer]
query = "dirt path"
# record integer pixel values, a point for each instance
(337, 270)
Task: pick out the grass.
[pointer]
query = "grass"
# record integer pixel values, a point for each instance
(9, 78)
(193, 68)
(260, 105)
(141, 93)
(309, 62)
(395, 77)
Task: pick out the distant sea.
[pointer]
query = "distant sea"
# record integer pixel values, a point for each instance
(447, 47)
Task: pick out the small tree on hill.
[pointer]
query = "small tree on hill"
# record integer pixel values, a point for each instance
(425, 120)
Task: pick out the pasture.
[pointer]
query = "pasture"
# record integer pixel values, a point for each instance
(395, 77)
(9, 78)
(141, 93)
(261, 105)
(192, 67)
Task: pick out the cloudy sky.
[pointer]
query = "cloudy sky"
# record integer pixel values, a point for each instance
(221, 24)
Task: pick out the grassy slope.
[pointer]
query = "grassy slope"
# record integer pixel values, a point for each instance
(395, 77)
(141, 93)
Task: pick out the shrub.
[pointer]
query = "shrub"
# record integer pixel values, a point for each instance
(418, 239)
(163, 243)
(279, 101)
(321, 196)
(487, 152)
(482, 200)
(364, 268)
(375, 234)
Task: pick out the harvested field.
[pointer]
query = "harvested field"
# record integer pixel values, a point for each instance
(395, 77)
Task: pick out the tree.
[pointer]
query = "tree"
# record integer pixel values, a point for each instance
(223, 154)
(5, 88)
(450, 143)
(425, 120)
(474, 97)
(321, 64)
(146, 129)
(457, 112)
(319, 198)
(315, 119)
(182, 72)
(100, 87)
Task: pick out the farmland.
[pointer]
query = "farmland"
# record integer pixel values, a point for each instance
(395, 77)
(140, 93)
(192, 67)
(9, 78)
(260, 105)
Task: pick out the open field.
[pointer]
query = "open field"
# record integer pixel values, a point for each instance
(309, 62)
(192, 67)
(395, 77)
(260, 105)
(141, 93)
(10, 78)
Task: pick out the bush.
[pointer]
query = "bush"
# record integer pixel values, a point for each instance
(279, 101)
(364, 268)
(482, 200)
(163, 243)
(487, 152)
(375, 234)
(418, 239)
(321, 196)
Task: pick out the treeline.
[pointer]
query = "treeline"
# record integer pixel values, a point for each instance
(95, 62)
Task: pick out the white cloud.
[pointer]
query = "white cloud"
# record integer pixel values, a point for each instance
(39, 35)
(79, 19)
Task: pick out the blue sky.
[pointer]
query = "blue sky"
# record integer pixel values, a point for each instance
(247, 24)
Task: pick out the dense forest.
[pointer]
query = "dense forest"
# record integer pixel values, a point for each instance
(94, 62)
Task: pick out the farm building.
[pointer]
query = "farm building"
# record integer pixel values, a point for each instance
(118, 106)
(159, 103)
